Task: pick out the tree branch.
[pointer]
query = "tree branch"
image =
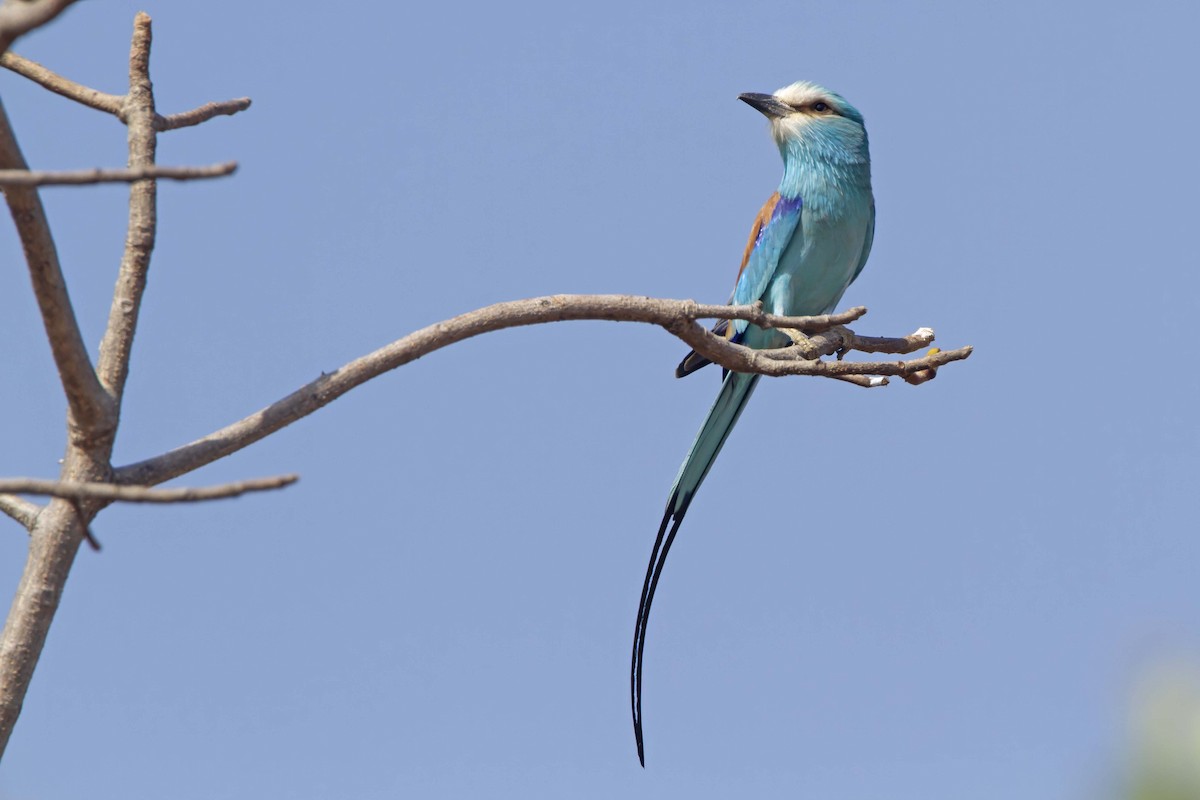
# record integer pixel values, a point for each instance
(117, 345)
(92, 98)
(186, 119)
(790, 362)
(865, 381)
(115, 103)
(108, 492)
(754, 313)
(93, 396)
(922, 337)
(53, 542)
(91, 408)
(15, 177)
(18, 17)
(21, 510)
(676, 316)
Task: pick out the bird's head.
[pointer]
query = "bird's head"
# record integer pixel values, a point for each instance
(807, 114)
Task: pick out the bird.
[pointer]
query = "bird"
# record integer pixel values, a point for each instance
(808, 243)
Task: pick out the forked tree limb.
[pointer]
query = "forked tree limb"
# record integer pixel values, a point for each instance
(115, 103)
(679, 317)
(93, 395)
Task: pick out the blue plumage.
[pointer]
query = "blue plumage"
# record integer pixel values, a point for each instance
(809, 242)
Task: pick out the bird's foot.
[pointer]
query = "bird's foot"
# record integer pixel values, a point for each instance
(802, 342)
(847, 337)
(924, 375)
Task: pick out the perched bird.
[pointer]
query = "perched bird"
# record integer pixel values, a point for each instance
(807, 245)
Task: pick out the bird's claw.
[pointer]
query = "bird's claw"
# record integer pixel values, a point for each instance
(801, 340)
(847, 337)
(924, 375)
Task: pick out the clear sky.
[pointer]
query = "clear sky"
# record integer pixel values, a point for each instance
(942, 591)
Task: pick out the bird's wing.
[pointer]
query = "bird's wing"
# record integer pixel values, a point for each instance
(868, 240)
(760, 222)
(773, 228)
(776, 226)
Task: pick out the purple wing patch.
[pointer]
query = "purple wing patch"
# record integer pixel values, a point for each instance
(785, 206)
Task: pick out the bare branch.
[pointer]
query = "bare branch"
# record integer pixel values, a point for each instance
(117, 345)
(18, 17)
(922, 337)
(838, 338)
(754, 313)
(786, 361)
(676, 316)
(53, 542)
(19, 509)
(13, 177)
(186, 119)
(140, 494)
(865, 381)
(92, 98)
(115, 103)
(90, 406)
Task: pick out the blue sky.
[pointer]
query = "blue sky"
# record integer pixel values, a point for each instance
(942, 591)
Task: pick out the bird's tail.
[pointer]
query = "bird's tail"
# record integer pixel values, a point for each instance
(735, 391)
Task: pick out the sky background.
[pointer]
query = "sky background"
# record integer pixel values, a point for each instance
(944, 591)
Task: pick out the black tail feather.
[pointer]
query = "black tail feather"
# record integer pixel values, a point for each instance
(653, 573)
(735, 391)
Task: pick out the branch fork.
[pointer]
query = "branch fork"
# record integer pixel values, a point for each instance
(93, 393)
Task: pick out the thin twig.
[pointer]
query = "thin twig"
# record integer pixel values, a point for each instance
(865, 381)
(676, 316)
(82, 518)
(92, 98)
(922, 337)
(18, 17)
(140, 494)
(829, 342)
(754, 313)
(19, 509)
(14, 177)
(786, 361)
(186, 119)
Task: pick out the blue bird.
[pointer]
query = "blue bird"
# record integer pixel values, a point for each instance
(807, 245)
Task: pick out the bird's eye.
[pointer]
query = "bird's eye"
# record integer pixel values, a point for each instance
(820, 106)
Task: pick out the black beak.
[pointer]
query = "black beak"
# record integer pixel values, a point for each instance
(768, 104)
